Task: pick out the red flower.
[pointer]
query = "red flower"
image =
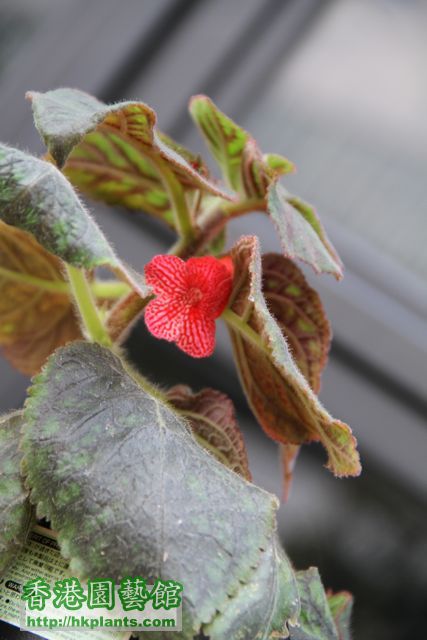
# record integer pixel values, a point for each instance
(189, 297)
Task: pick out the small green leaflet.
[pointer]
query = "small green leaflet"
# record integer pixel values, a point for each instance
(15, 510)
(115, 153)
(243, 166)
(341, 605)
(153, 495)
(35, 197)
(315, 621)
(301, 234)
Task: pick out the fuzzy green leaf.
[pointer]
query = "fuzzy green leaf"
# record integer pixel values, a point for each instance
(153, 495)
(315, 621)
(250, 614)
(15, 509)
(279, 394)
(35, 197)
(301, 235)
(341, 605)
(115, 152)
(243, 166)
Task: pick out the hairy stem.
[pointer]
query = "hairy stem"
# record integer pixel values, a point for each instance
(182, 216)
(109, 289)
(85, 302)
(235, 322)
(212, 221)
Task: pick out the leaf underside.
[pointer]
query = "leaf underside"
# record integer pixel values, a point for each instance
(33, 322)
(277, 391)
(131, 492)
(299, 312)
(35, 197)
(15, 509)
(301, 234)
(112, 152)
(212, 418)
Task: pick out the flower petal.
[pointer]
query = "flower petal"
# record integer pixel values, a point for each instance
(166, 275)
(165, 318)
(197, 335)
(214, 279)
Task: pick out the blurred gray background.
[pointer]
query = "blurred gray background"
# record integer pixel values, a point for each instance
(340, 88)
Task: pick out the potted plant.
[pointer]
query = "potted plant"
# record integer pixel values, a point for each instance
(139, 480)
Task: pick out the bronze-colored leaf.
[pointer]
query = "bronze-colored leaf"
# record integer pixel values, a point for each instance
(36, 313)
(280, 396)
(115, 153)
(299, 312)
(212, 418)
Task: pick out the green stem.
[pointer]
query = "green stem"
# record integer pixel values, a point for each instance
(53, 286)
(182, 216)
(235, 322)
(85, 302)
(109, 289)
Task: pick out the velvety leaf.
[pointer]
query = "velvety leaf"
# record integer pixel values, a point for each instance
(33, 321)
(212, 418)
(243, 166)
(250, 614)
(277, 391)
(301, 235)
(129, 490)
(114, 152)
(35, 197)
(341, 605)
(315, 621)
(15, 509)
(298, 311)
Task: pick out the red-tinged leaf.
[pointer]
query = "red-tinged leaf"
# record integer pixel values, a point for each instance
(212, 418)
(114, 152)
(243, 166)
(301, 234)
(341, 605)
(298, 310)
(124, 314)
(280, 396)
(34, 321)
